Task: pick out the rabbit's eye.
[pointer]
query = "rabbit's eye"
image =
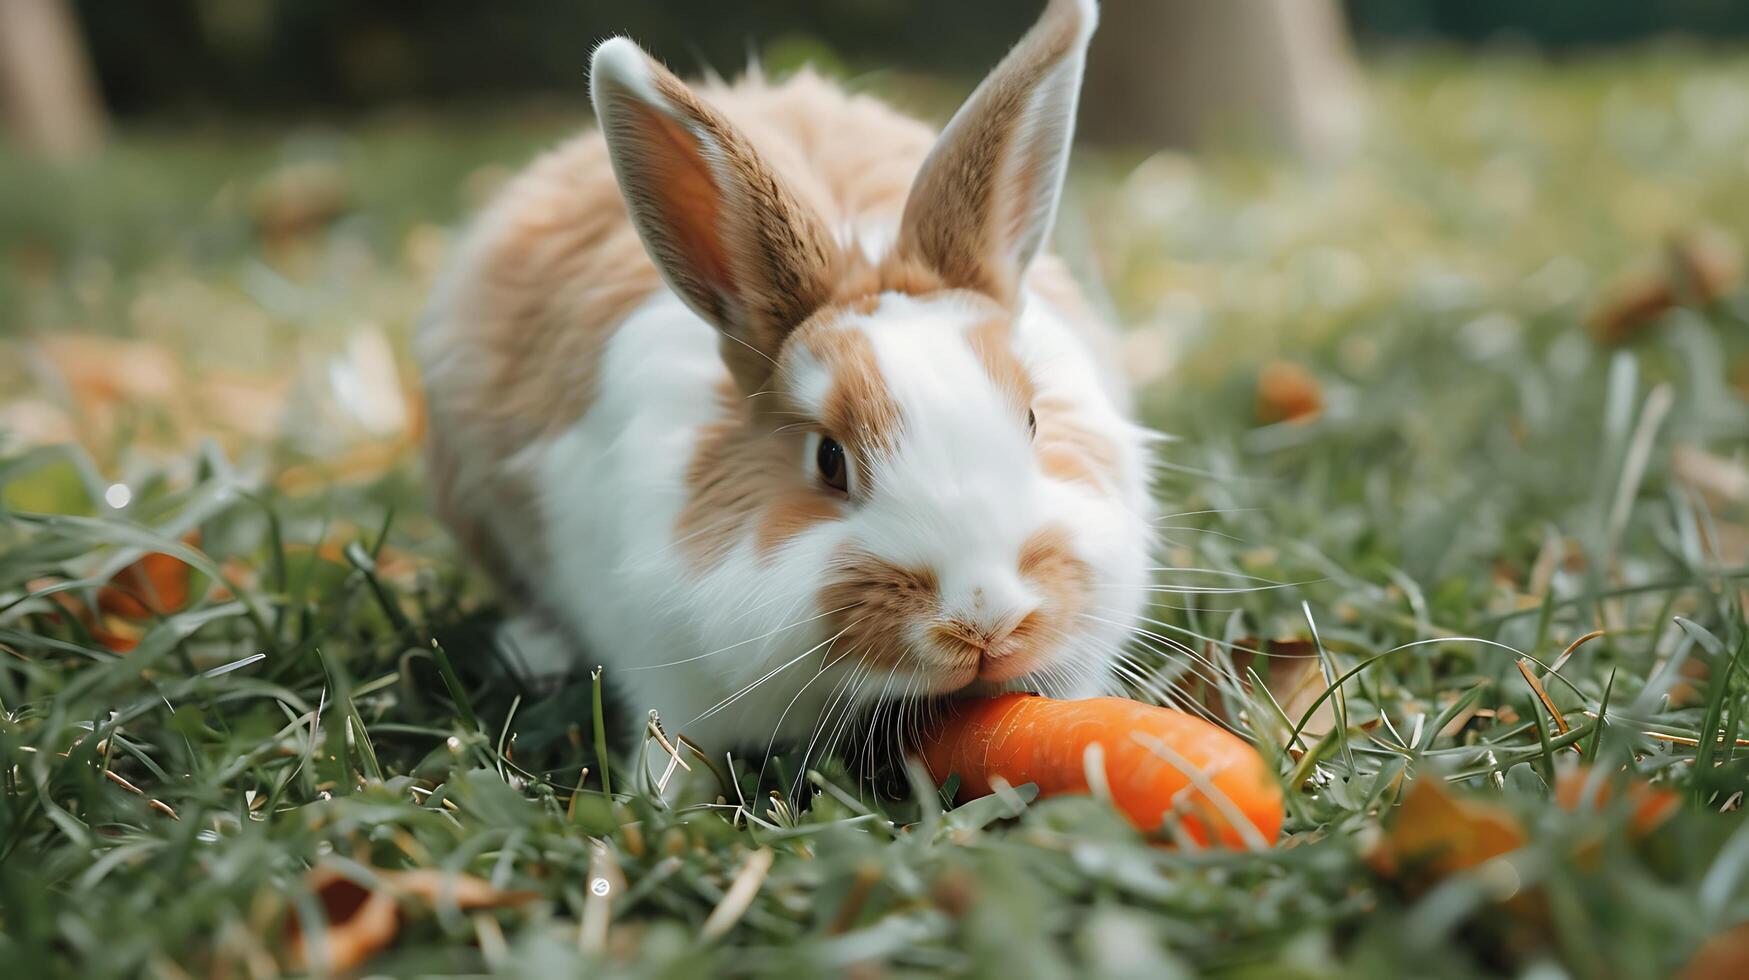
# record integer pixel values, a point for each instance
(830, 460)
(1031, 424)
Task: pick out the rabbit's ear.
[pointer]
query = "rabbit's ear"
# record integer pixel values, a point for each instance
(983, 203)
(727, 234)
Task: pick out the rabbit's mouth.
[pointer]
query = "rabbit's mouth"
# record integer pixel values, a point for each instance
(949, 632)
(994, 653)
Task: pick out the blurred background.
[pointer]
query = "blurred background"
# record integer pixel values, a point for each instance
(1405, 234)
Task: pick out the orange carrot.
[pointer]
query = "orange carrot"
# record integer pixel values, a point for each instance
(1157, 761)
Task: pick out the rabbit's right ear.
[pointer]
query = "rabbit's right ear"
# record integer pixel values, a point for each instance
(722, 227)
(983, 202)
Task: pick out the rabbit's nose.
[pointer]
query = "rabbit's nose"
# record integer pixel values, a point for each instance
(988, 608)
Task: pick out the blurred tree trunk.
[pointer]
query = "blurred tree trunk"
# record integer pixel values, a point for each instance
(1180, 72)
(46, 84)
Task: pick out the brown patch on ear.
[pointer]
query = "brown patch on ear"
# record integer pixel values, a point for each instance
(963, 220)
(992, 342)
(875, 604)
(1070, 451)
(729, 233)
(744, 475)
(673, 188)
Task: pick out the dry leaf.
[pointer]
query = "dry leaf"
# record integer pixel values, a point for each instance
(360, 921)
(1287, 392)
(1434, 835)
(1696, 269)
(156, 585)
(1723, 957)
(1652, 804)
(299, 199)
(105, 370)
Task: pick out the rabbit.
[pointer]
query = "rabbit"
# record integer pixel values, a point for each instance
(766, 398)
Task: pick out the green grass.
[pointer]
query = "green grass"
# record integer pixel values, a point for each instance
(1485, 483)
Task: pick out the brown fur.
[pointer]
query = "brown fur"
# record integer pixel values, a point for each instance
(859, 411)
(991, 341)
(1049, 563)
(962, 217)
(1070, 451)
(746, 468)
(874, 603)
(748, 465)
(559, 266)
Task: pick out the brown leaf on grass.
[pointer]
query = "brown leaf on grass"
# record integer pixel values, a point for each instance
(155, 585)
(360, 921)
(118, 634)
(1652, 804)
(105, 370)
(1723, 957)
(299, 199)
(1696, 270)
(1434, 835)
(1287, 392)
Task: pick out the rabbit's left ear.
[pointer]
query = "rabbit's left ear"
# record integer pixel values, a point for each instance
(983, 202)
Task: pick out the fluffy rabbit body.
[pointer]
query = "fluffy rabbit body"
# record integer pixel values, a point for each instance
(762, 396)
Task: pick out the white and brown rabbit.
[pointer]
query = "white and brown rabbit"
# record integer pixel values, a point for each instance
(763, 397)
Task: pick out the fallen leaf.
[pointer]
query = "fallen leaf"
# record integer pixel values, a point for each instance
(299, 199)
(118, 634)
(156, 585)
(1652, 804)
(1287, 392)
(1696, 269)
(1434, 835)
(105, 370)
(1723, 957)
(360, 921)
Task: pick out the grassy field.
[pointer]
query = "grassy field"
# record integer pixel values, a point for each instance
(1464, 400)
